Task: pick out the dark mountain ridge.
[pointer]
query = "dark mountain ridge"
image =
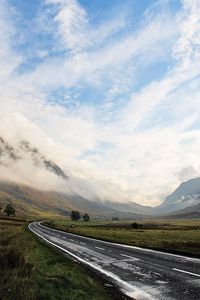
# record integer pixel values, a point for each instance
(12, 154)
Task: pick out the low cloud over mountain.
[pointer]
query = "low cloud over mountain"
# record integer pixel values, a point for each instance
(24, 163)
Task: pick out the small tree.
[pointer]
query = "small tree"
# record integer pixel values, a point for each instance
(115, 218)
(9, 210)
(135, 225)
(86, 218)
(75, 215)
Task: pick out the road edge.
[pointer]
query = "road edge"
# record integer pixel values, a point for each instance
(119, 285)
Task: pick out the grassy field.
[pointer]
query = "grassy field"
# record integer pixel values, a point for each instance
(176, 236)
(32, 270)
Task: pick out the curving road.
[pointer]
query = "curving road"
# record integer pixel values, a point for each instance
(140, 273)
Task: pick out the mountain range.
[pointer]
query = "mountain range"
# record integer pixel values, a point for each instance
(184, 202)
(187, 194)
(30, 201)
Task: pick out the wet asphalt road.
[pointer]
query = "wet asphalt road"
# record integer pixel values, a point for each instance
(140, 273)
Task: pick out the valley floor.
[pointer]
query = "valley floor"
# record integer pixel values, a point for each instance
(175, 236)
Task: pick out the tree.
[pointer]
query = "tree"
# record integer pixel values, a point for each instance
(115, 218)
(75, 215)
(86, 218)
(135, 225)
(9, 210)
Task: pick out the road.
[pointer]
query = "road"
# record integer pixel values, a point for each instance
(139, 273)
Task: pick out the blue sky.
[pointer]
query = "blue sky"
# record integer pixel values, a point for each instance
(108, 89)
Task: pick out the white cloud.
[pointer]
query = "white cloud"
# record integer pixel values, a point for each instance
(187, 47)
(72, 24)
(9, 59)
(74, 29)
(100, 54)
(187, 173)
(137, 154)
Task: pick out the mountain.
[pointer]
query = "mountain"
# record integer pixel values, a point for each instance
(27, 158)
(191, 212)
(184, 203)
(186, 195)
(10, 154)
(29, 201)
(129, 206)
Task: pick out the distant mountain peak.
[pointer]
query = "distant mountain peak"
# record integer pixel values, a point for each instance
(187, 194)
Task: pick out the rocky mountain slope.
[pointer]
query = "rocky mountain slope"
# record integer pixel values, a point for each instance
(10, 154)
(186, 195)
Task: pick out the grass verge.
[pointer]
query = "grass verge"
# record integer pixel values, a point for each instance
(32, 270)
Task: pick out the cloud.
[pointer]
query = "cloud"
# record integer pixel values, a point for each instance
(72, 23)
(124, 125)
(74, 30)
(187, 47)
(9, 59)
(97, 55)
(187, 173)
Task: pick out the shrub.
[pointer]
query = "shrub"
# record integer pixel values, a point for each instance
(135, 225)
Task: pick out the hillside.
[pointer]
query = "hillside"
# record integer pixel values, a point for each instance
(30, 201)
(191, 212)
(33, 201)
(186, 195)
(129, 207)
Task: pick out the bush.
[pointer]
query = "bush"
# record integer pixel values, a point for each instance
(86, 218)
(75, 215)
(135, 225)
(9, 210)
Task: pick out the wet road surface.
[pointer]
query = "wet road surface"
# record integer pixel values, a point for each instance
(140, 273)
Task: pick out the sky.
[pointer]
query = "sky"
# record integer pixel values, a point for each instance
(108, 90)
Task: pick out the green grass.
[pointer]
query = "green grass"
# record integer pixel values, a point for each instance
(182, 236)
(32, 270)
